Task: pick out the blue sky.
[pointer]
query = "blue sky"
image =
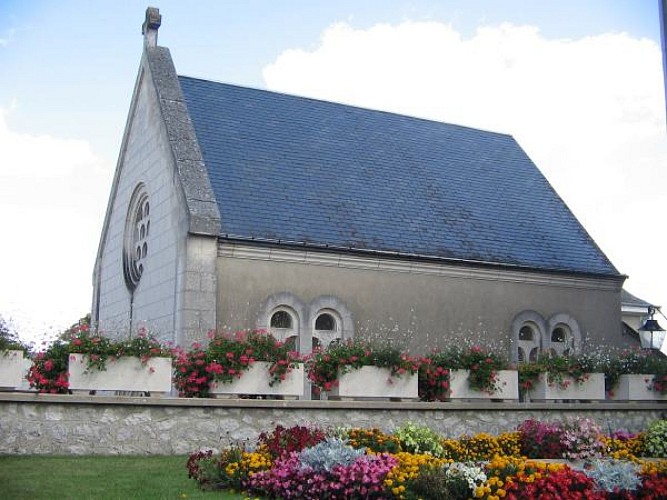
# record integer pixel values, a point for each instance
(577, 83)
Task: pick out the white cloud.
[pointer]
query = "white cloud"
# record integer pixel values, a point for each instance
(590, 112)
(52, 196)
(7, 37)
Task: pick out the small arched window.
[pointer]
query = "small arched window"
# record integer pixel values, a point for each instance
(526, 334)
(284, 325)
(325, 322)
(281, 319)
(562, 341)
(529, 342)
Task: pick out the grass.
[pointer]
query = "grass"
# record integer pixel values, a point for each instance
(100, 477)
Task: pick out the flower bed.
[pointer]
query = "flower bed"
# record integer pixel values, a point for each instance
(312, 463)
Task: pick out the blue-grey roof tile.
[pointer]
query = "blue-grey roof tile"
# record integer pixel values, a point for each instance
(313, 172)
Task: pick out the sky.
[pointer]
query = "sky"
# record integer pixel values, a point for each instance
(578, 84)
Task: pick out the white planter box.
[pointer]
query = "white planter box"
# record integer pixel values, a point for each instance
(591, 389)
(374, 382)
(255, 382)
(124, 374)
(635, 387)
(459, 388)
(12, 370)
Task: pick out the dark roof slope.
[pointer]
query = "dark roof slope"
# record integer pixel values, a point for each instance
(627, 299)
(310, 172)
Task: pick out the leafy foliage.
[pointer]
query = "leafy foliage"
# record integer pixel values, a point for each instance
(227, 357)
(48, 372)
(328, 453)
(655, 440)
(482, 363)
(419, 439)
(325, 366)
(285, 440)
(9, 339)
(613, 475)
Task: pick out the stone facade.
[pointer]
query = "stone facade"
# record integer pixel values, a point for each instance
(453, 303)
(77, 425)
(174, 297)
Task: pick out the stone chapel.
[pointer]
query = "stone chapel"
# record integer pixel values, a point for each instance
(238, 208)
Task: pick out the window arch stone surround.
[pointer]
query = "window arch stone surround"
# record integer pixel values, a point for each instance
(290, 303)
(572, 332)
(330, 304)
(527, 348)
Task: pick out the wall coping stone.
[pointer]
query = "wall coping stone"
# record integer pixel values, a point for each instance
(31, 397)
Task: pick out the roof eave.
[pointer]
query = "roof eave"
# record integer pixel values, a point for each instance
(415, 257)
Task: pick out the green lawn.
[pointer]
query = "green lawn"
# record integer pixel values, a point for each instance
(155, 477)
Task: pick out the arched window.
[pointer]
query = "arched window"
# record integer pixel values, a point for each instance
(325, 322)
(529, 342)
(564, 335)
(327, 327)
(283, 325)
(562, 341)
(281, 319)
(527, 336)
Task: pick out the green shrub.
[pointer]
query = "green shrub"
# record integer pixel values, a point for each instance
(655, 440)
(418, 439)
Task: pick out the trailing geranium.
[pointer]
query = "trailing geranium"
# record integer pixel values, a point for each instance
(326, 365)
(483, 365)
(226, 359)
(48, 372)
(99, 349)
(561, 371)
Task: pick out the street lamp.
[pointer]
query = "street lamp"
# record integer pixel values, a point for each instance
(651, 334)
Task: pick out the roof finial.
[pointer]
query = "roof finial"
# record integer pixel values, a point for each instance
(150, 26)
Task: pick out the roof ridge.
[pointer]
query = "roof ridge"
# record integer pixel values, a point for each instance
(353, 106)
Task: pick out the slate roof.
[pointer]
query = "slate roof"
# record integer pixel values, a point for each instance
(627, 299)
(307, 172)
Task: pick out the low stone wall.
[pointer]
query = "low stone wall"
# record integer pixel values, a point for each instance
(97, 425)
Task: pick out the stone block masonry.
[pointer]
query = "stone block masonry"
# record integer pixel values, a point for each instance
(97, 425)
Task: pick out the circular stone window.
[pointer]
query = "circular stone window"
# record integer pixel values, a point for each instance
(135, 245)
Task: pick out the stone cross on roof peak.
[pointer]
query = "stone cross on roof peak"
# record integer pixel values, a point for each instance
(150, 26)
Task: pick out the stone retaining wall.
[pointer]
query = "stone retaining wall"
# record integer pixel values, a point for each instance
(96, 425)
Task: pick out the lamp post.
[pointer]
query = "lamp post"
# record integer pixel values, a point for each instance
(651, 334)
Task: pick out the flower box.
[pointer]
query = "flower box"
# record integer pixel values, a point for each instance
(255, 382)
(459, 387)
(123, 374)
(374, 382)
(635, 387)
(12, 370)
(591, 389)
